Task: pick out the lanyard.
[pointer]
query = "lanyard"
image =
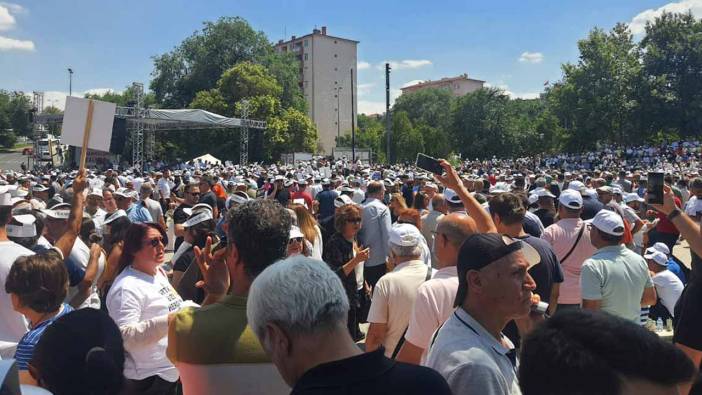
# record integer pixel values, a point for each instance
(511, 354)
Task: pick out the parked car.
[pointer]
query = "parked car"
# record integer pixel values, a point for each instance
(28, 151)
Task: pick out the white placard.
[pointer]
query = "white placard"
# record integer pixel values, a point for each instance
(74, 123)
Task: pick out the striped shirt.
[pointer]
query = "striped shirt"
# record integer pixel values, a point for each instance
(25, 347)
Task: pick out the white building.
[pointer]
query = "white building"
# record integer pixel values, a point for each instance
(458, 86)
(325, 79)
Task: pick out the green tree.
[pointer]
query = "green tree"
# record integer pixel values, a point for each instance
(370, 133)
(671, 83)
(406, 140)
(201, 59)
(212, 101)
(246, 80)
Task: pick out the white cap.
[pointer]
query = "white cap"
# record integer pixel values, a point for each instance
(500, 187)
(5, 199)
(632, 197)
(543, 192)
(656, 256)
(451, 196)
(26, 229)
(114, 216)
(295, 232)
(609, 222)
(124, 192)
(342, 200)
(39, 188)
(590, 192)
(571, 198)
(605, 188)
(661, 247)
(198, 217)
(431, 185)
(95, 192)
(404, 235)
(533, 198)
(575, 185)
(288, 183)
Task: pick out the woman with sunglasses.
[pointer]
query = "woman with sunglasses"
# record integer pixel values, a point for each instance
(140, 302)
(343, 254)
(296, 243)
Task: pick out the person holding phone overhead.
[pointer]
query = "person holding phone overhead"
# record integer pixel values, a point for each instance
(345, 256)
(663, 229)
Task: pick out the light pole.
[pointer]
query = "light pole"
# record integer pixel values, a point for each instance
(338, 113)
(70, 81)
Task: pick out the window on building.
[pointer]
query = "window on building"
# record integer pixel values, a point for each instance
(335, 69)
(306, 43)
(334, 41)
(305, 56)
(336, 56)
(336, 82)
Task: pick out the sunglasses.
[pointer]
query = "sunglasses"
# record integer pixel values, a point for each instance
(155, 242)
(195, 193)
(295, 240)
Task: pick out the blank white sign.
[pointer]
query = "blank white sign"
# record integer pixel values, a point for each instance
(74, 118)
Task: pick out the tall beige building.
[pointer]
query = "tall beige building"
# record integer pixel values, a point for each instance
(458, 86)
(325, 79)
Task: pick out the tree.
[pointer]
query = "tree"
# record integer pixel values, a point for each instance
(406, 140)
(212, 101)
(201, 59)
(370, 133)
(671, 83)
(247, 80)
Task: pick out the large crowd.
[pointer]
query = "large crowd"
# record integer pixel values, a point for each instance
(544, 275)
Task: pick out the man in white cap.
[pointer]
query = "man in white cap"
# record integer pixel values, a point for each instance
(668, 285)
(615, 279)
(570, 240)
(547, 208)
(135, 212)
(395, 292)
(40, 195)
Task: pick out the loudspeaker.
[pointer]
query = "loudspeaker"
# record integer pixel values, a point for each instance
(119, 136)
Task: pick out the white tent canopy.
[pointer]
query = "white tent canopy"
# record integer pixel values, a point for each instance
(208, 159)
(195, 118)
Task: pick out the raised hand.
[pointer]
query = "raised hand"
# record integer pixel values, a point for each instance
(213, 268)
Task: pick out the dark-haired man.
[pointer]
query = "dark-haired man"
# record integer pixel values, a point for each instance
(207, 195)
(494, 287)
(591, 353)
(615, 279)
(212, 347)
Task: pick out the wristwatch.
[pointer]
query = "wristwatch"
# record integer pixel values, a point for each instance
(674, 214)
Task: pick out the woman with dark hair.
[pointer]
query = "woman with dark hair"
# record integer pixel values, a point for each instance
(113, 233)
(80, 354)
(140, 301)
(343, 254)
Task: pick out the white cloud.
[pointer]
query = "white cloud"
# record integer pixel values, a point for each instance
(410, 83)
(531, 57)
(514, 95)
(9, 44)
(14, 8)
(405, 64)
(7, 21)
(364, 89)
(363, 65)
(371, 107)
(637, 25)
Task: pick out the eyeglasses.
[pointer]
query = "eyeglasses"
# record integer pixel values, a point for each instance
(195, 193)
(295, 240)
(155, 242)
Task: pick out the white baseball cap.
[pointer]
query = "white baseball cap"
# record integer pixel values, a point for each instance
(661, 247)
(26, 229)
(451, 196)
(576, 185)
(543, 192)
(571, 198)
(117, 214)
(404, 235)
(632, 197)
(198, 217)
(342, 201)
(295, 232)
(609, 222)
(657, 256)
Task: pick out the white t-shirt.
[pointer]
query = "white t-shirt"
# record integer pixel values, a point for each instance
(80, 255)
(99, 220)
(164, 187)
(137, 299)
(668, 287)
(154, 208)
(12, 324)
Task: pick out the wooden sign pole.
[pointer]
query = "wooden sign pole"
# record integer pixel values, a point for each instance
(86, 134)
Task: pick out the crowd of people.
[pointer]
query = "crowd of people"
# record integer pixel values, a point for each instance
(528, 276)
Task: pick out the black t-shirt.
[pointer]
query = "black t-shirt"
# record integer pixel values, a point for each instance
(370, 374)
(179, 217)
(283, 197)
(209, 198)
(546, 216)
(687, 319)
(591, 207)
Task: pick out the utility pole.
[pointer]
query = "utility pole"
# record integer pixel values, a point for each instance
(70, 81)
(353, 125)
(388, 131)
(338, 114)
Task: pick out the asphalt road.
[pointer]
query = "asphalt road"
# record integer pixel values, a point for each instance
(12, 161)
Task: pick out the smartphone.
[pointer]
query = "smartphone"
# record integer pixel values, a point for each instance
(429, 164)
(655, 188)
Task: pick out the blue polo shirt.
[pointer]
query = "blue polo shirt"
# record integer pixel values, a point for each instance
(139, 213)
(26, 345)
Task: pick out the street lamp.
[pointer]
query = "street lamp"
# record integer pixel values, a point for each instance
(338, 113)
(70, 81)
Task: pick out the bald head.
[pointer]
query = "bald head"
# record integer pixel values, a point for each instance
(438, 203)
(456, 227)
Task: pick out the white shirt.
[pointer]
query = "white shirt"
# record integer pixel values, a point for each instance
(99, 220)
(12, 324)
(139, 304)
(164, 187)
(80, 254)
(358, 196)
(154, 208)
(668, 287)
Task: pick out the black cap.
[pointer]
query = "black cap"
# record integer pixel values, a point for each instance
(482, 249)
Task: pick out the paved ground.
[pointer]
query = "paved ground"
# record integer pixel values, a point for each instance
(682, 252)
(12, 161)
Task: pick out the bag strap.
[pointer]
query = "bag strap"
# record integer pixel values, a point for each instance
(402, 338)
(577, 240)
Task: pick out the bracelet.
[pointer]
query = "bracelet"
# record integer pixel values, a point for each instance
(674, 214)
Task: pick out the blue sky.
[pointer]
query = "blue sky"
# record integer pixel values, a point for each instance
(516, 45)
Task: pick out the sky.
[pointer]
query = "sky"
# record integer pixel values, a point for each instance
(516, 45)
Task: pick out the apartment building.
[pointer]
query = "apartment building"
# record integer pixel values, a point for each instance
(458, 86)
